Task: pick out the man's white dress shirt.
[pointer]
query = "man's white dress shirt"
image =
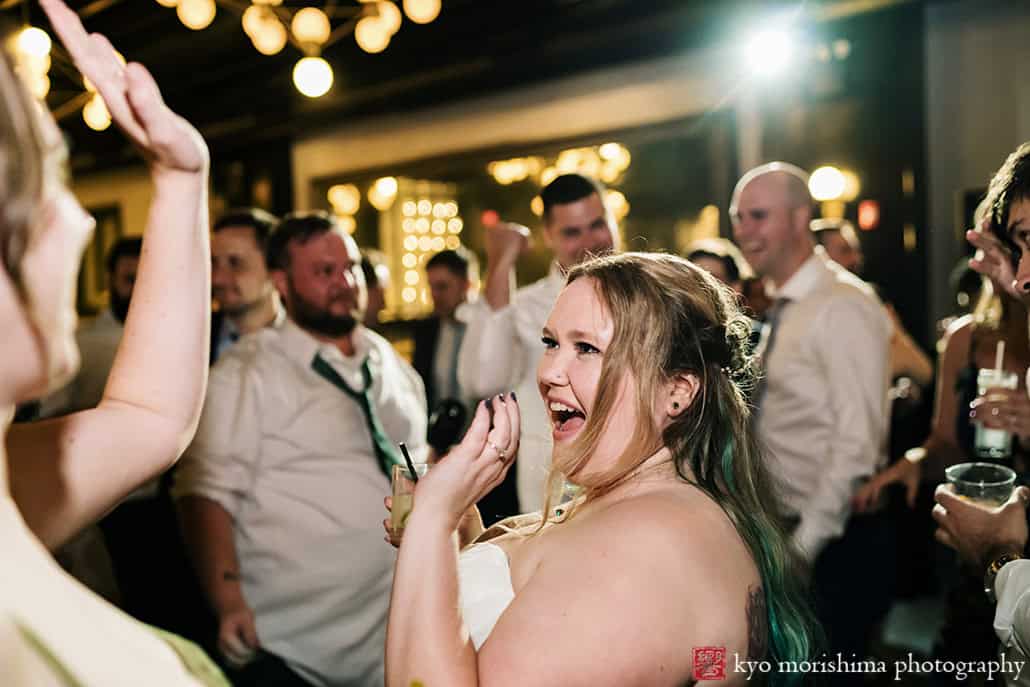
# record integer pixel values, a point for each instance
(500, 353)
(1012, 619)
(289, 456)
(823, 416)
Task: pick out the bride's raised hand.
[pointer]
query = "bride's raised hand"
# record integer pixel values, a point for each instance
(167, 141)
(472, 468)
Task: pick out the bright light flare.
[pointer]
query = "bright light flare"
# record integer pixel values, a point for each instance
(769, 52)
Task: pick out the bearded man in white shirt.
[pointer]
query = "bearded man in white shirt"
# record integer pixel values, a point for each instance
(281, 491)
(502, 342)
(821, 408)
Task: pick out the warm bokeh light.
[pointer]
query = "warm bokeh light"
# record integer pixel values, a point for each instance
(489, 218)
(38, 83)
(455, 225)
(345, 198)
(769, 52)
(826, 183)
(422, 11)
(852, 185)
(196, 14)
(33, 42)
(383, 193)
(311, 25)
(347, 223)
(168, 3)
(270, 38)
(409, 208)
(371, 35)
(617, 203)
(868, 215)
(452, 242)
(95, 113)
(313, 76)
(537, 206)
(389, 16)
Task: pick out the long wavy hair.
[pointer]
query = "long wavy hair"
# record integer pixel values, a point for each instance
(25, 166)
(667, 311)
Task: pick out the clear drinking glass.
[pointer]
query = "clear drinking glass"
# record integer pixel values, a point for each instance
(403, 495)
(994, 443)
(985, 483)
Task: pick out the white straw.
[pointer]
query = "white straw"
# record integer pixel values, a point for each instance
(999, 356)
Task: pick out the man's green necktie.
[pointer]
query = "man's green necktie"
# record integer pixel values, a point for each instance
(385, 452)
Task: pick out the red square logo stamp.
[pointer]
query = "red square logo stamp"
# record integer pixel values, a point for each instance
(709, 663)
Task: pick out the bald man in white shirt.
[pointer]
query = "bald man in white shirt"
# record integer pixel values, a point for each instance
(821, 409)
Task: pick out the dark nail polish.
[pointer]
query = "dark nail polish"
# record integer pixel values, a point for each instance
(500, 398)
(489, 404)
(513, 396)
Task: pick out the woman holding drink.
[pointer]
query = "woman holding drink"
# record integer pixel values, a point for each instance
(983, 410)
(971, 394)
(673, 558)
(65, 473)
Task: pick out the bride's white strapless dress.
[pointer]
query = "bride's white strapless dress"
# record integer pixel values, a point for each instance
(484, 581)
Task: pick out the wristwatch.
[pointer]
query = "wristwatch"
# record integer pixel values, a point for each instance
(992, 573)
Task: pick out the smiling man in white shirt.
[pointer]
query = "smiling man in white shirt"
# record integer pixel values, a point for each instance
(501, 346)
(821, 409)
(282, 489)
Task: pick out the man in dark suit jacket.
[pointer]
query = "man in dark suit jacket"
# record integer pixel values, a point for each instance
(240, 284)
(437, 341)
(438, 338)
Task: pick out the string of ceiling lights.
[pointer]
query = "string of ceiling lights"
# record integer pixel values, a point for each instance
(268, 24)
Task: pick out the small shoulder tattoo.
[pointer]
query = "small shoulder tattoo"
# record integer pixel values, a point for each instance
(757, 624)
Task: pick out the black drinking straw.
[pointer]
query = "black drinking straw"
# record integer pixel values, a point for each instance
(407, 459)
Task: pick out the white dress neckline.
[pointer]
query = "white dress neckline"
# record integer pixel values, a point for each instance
(484, 582)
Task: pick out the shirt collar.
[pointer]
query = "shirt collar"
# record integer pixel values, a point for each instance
(301, 346)
(804, 281)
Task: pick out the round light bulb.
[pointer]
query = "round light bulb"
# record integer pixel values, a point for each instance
(389, 16)
(95, 113)
(270, 39)
(371, 35)
(310, 25)
(422, 11)
(34, 42)
(253, 17)
(313, 76)
(827, 183)
(196, 14)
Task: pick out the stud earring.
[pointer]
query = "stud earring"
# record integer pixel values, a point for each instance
(675, 405)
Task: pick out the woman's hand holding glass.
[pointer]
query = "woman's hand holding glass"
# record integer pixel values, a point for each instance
(472, 468)
(167, 141)
(1005, 409)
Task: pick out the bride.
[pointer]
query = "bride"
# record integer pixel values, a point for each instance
(669, 567)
